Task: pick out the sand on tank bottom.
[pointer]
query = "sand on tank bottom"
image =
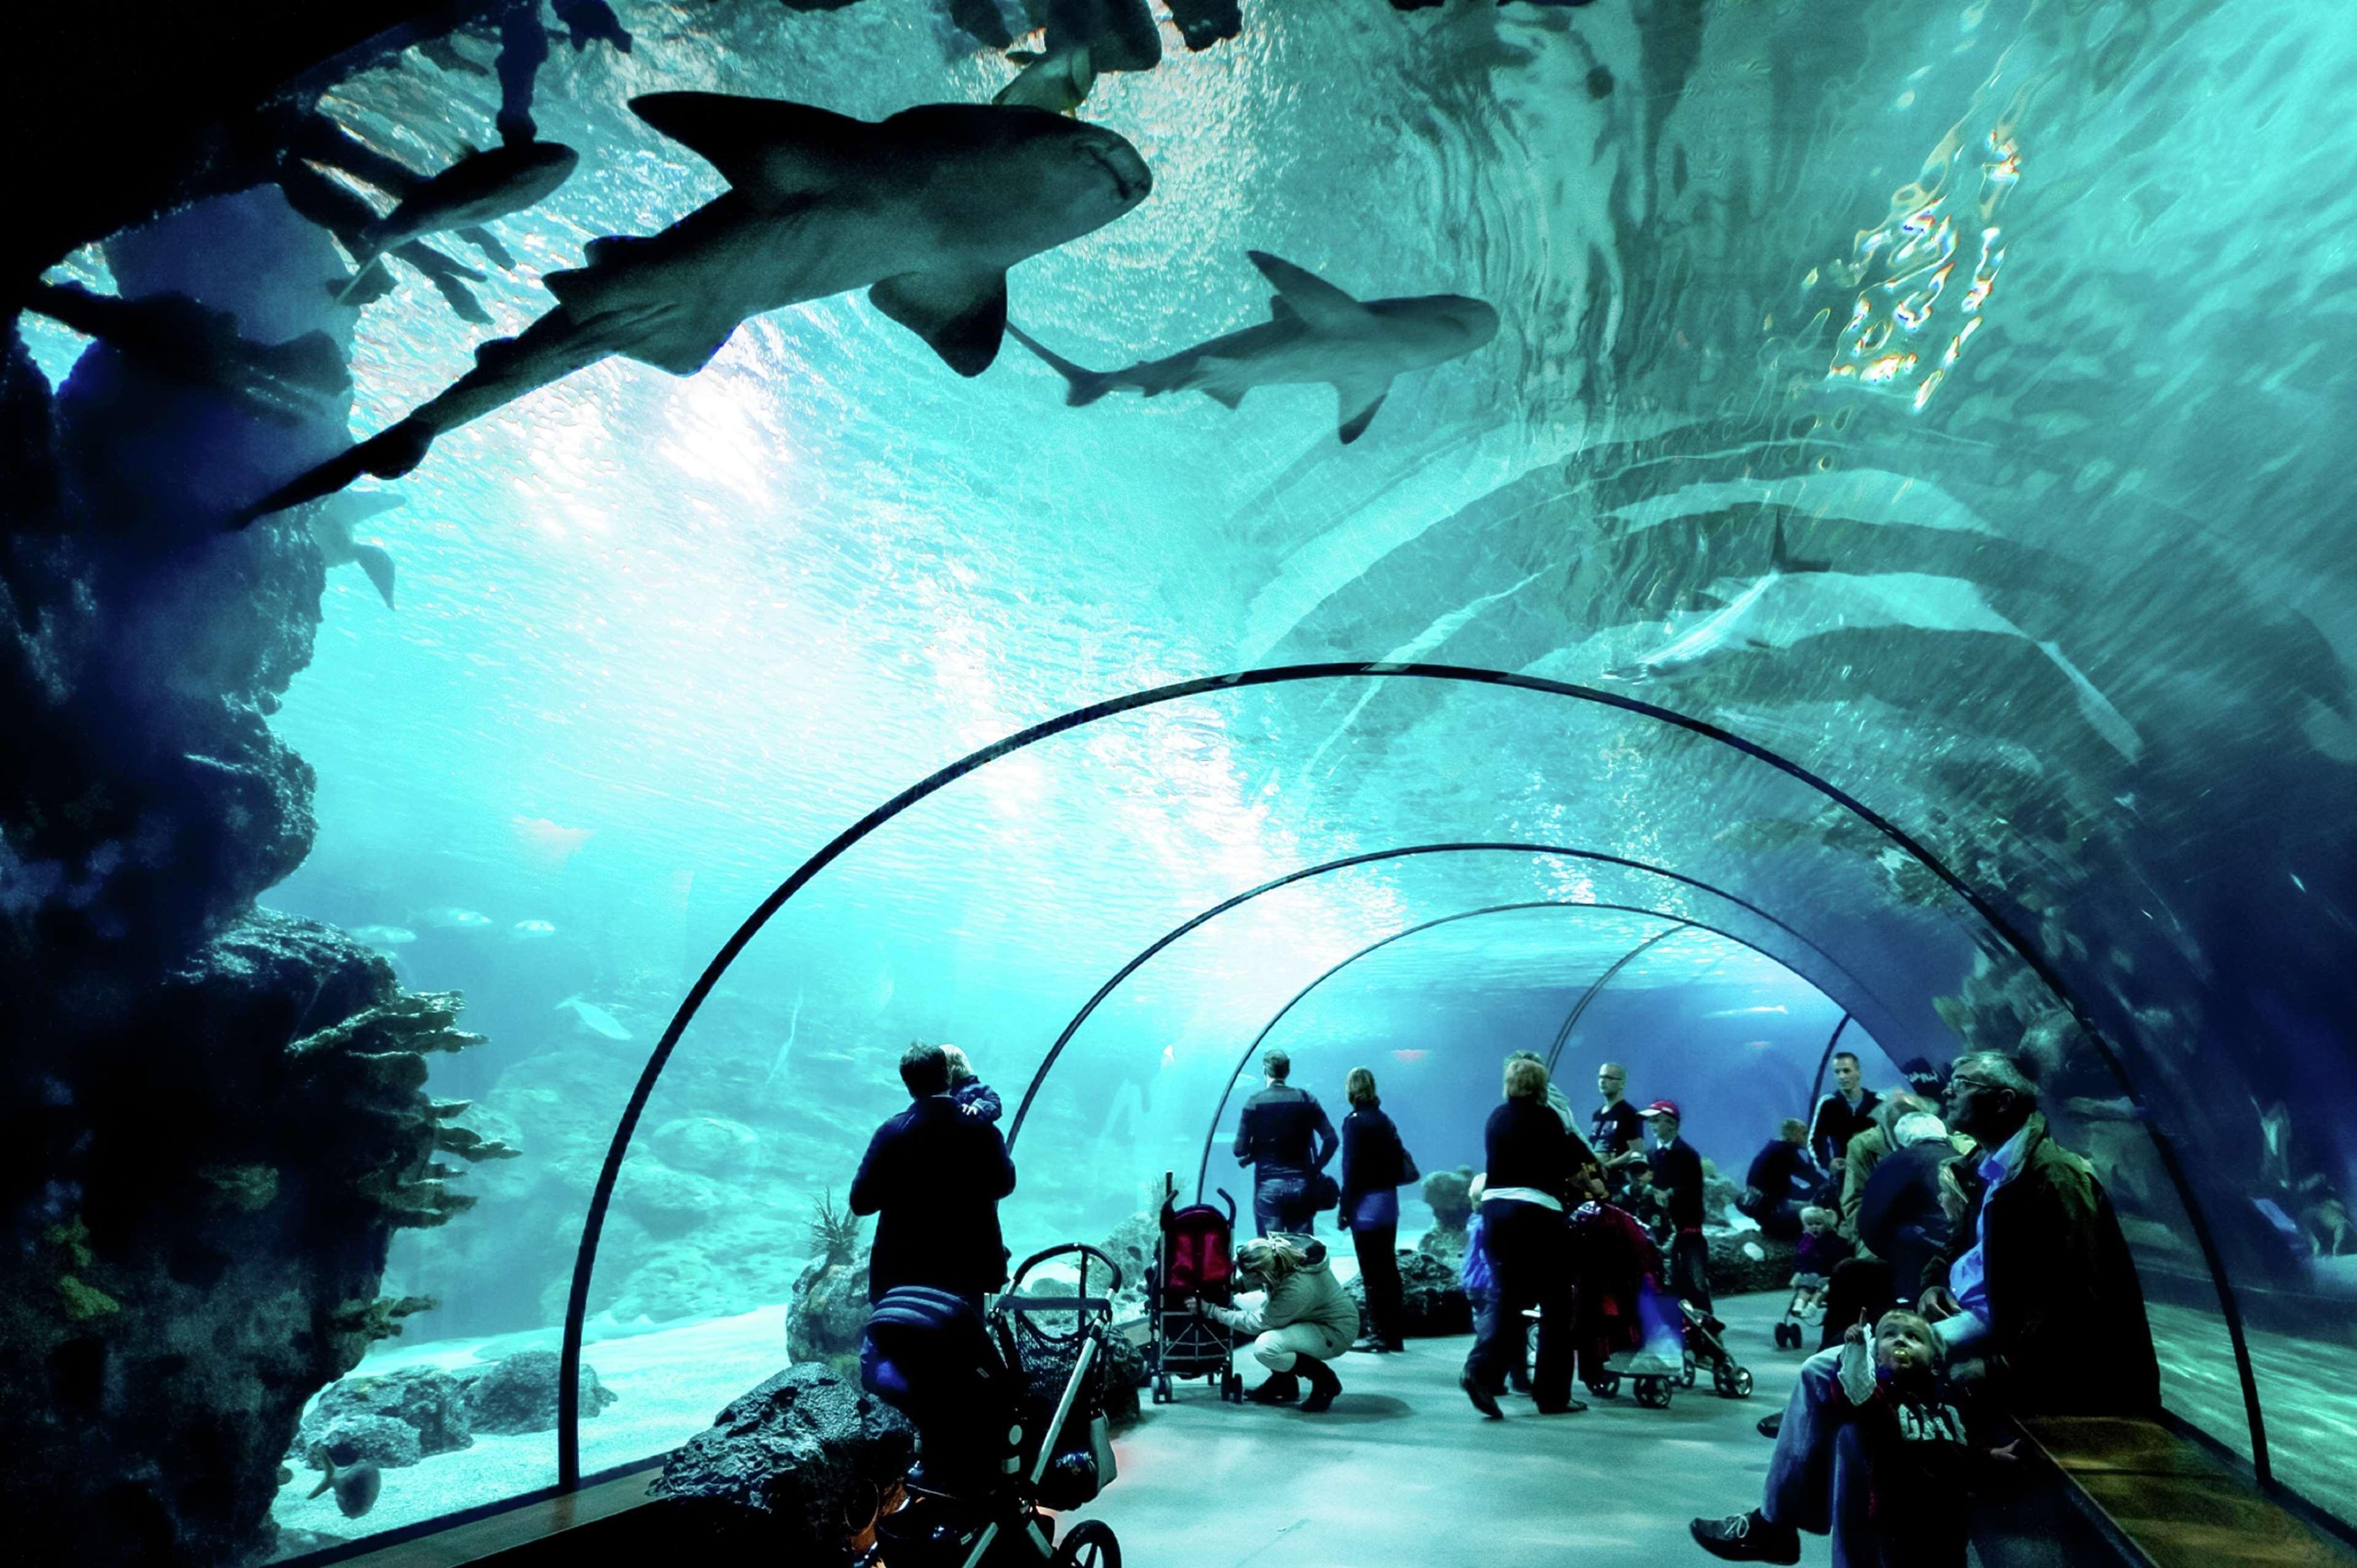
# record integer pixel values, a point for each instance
(671, 1383)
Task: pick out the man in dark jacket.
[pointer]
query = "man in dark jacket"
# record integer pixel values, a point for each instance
(1280, 1125)
(1842, 1114)
(1780, 1181)
(934, 1176)
(1898, 1214)
(2040, 1275)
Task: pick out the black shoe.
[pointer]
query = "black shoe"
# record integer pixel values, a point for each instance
(1282, 1387)
(1483, 1399)
(1394, 1347)
(1569, 1407)
(1771, 1424)
(1747, 1537)
(1519, 1382)
(1323, 1384)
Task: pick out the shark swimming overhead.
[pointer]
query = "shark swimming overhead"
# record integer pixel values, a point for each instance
(1316, 333)
(927, 210)
(478, 189)
(1728, 629)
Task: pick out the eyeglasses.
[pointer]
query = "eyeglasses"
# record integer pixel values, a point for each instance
(1977, 1083)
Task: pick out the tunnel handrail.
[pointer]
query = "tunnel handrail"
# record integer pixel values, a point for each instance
(569, 1391)
(1072, 1027)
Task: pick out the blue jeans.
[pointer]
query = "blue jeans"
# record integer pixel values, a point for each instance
(1817, 1478)
(1281, 1202)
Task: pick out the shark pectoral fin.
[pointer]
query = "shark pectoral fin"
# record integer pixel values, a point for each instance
(377, 563)
(493, 252)
(1355, 425)
(961, 315)
(1226, 397)
(770, 149)
(1318, 304)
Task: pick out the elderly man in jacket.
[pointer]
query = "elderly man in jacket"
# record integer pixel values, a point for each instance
(2036, 1279)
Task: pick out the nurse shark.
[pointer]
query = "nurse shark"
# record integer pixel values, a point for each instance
(926, 211)
(1316, 333)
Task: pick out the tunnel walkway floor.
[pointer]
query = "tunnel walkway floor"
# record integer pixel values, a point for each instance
(1404, 1472)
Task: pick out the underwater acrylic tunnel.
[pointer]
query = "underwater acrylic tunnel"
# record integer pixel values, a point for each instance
(1743, 538)
(569, 1382)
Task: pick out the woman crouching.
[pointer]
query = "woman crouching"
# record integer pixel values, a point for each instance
(1305, 1320)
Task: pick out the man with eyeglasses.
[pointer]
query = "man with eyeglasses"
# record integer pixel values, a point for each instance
(2037, 1282)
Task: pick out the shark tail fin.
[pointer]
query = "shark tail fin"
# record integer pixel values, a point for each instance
(1083, 386)
(377, 561)
(1782, 559)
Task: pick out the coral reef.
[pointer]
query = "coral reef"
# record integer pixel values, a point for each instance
(1449, 1195)
(432, 1403)
(827, 1315)
(835, 1232)
(790, 1471)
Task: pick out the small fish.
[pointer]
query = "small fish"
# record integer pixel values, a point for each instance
(1730, 629)
(531, 930)
(445, 918)
(1409, 1058)
(1170, 1057)
(383, 936)
(1746, 1012)
(356, 1485)
(1057, 81)
(595, 1016)
(793, 1027)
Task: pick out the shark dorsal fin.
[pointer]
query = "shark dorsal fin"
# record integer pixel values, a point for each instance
(1780, 559)
(1317, 303)
(1281, 309)
(770, 150)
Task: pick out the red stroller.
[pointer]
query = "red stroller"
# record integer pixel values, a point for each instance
(1194, 1258)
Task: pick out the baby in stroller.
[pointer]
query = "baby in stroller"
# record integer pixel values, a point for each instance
(991, 1458)
(1821, 1250)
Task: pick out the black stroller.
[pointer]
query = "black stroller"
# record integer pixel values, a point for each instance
(993, 1455)
(1195, 1256)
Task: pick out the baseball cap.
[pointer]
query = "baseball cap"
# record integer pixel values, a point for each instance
(1661, 1108)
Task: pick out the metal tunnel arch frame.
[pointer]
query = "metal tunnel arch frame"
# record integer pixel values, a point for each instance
(1367, 857)
(568, 1435)
(1677, 923)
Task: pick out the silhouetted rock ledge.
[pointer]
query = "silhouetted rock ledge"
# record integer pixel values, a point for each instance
(788, 1472)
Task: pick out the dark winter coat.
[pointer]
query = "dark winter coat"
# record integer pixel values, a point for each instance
(1898, 1216)
(2068, 1307)
(934, 1175)
(1373, 1159)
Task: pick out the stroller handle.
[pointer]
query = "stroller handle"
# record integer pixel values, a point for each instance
(1169, 1201)
(1082, 1247)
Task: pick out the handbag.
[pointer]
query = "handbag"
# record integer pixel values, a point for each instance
(1408, 1173)
(1325, 1192)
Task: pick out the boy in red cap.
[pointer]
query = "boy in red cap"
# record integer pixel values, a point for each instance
(1677, 1177)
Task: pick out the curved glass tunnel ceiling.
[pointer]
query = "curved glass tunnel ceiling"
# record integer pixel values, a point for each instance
(2071, 604)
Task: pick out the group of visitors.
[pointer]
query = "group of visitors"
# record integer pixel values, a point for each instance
(1970, 1267)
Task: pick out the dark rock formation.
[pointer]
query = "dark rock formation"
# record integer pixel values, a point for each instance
(788, 1472)
(431, 1403)
(211, 1117)
(355, 1435)
(1432, 1302)
(826, 1317)
(518, 1393)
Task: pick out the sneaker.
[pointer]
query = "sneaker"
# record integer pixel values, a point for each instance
(1771, 1424)
(1747, 1538)
(1368, 1346)
(1483, 1399)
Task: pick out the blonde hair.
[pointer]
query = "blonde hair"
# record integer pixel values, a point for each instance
(1792, 1127)
(1270, 1258)
(1815, 1216)
(1526, 1077)
(1359, 1089)
(960, 1068)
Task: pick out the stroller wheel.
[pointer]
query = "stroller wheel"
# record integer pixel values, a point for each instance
(1687, 1378)
(1735, 1385)
(1162, 1389)
(1653, 1393)
(1090, 1544)
(1604, 1385)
